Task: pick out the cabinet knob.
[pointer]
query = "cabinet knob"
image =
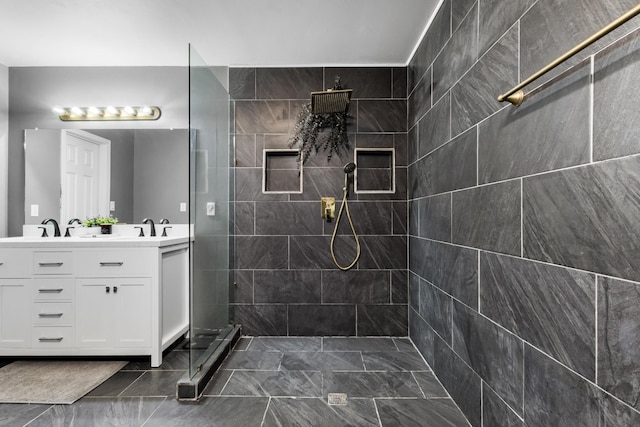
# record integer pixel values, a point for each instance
(107, 289)
(115, 289)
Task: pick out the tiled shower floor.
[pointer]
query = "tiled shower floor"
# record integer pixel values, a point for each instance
(268, 381)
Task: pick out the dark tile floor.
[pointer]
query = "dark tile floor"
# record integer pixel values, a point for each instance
(268, 381)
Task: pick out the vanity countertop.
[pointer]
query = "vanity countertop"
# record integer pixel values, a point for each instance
(91, 242)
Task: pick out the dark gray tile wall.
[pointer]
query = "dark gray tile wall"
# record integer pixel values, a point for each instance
(286, 282)
(524, 283)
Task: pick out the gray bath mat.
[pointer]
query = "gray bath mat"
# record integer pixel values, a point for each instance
(53, 382)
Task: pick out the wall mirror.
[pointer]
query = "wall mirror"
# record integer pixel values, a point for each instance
(131, 174)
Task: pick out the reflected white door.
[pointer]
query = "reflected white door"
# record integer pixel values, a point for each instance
(85, 175)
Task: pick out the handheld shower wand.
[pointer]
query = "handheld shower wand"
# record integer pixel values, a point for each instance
(349, 168)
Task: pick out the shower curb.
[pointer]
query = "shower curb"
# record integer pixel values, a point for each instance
(189, 389)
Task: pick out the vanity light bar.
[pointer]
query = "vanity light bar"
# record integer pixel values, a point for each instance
(73, 114)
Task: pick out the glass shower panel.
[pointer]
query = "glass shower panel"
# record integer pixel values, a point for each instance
(209, 208)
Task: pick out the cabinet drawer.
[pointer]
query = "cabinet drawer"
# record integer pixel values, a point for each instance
(116, 263)
(52, 313)
(52, 337)
(52, 262)
(14, 263)
(53, 289)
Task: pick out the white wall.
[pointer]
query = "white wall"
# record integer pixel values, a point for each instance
(4, 143)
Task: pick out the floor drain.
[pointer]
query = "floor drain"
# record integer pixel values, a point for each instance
(337, 398)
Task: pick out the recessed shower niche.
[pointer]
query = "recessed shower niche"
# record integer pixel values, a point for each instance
(281, 172)
(375, 172)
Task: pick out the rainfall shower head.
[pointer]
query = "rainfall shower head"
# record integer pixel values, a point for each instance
(349, 167)
(330, 101)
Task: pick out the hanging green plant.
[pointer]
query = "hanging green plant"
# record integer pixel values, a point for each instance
(325, 131)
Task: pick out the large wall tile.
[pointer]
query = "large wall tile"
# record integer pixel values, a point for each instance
(322, 320)
(488, 217)
(382, 116)
(262, 116)
(462, 383)
(566, 23)
(412, 145)
(451, 167)
(312, 252)
(555, 396)
(245, 145)
(434, 217)
(368, 218)
(512, 143)
(358, 287)
(422, 336)
(435, 127)
(399, 81)
(399, 287)
(321, 182)
(286, 218)
(399, 220)
(288, 286)
(457, 56)
(459, 10)
(586, 217)
(262, 319)
(616, 92)
(244, 220)
(473, 98)
(451, 268)
(260, 252)
(242, 290)
(242, 83)
(420, 100)
(366, 82)
(619, 339)
(492, 352)
(435, 307)
(382, 320)
(414, 291)
(249, 186)
(437, 35)
(383, 252)
(287, 83)
(550, 307)
(495, 412)
(496, 17)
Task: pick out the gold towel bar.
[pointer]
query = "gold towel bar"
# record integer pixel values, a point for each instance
(516, 95)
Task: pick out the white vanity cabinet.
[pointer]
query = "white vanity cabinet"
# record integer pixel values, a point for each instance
(15, 297)
(86, 297)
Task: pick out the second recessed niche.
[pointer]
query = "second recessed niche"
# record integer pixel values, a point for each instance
(375, 171)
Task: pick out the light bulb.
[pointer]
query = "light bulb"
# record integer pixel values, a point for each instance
(94, 111)
(128, 111)
(58, 110)
(111, 111)
(145, 110)
(77, 111)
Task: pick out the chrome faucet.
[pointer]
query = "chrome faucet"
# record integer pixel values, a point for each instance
(56, 227)
(70, 226)
(153, 226)
(164, 221)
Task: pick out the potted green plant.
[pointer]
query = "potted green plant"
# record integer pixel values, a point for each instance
(326, 131)
(104, 222)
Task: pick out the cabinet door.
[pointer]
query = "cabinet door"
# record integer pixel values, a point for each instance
(113, 313)
(94, 313)
(15, 313)
(132, 312)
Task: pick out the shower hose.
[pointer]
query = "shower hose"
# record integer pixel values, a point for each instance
(344, 207)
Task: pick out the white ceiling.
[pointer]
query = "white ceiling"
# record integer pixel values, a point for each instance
(224, 32)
